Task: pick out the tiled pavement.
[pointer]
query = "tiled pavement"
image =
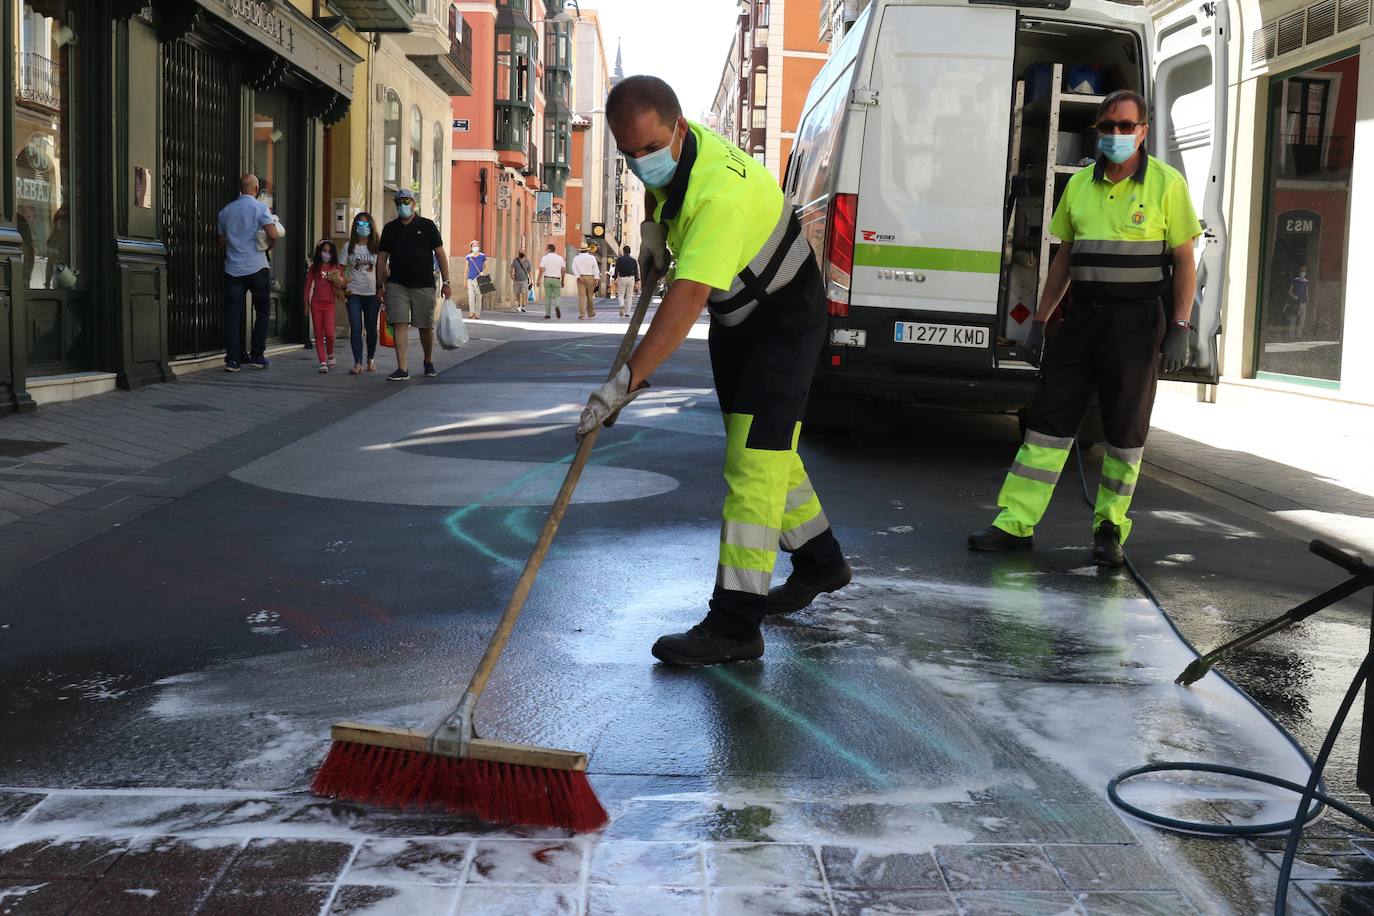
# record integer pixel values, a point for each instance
(1288, 460)
(288, 855)
(216, 872)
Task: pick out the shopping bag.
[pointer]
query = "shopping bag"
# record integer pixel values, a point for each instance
(530, 296)
(452, 332)
(384, 329)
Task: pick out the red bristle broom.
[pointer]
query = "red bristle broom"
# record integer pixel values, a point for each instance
(452, 769)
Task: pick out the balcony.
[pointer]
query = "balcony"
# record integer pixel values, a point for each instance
(39, 82)
(439, 50)
(378, 15)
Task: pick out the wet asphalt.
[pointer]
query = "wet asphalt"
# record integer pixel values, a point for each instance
(208, 644)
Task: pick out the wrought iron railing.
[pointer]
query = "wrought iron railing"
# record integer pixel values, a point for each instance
(460, 48)
(1323, 157)
(40, 80)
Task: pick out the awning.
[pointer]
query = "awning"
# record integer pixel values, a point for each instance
(295, 37)
(377, 15)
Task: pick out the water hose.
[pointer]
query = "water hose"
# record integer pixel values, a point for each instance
(1313, 791)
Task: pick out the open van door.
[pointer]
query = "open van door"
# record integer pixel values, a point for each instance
(1189, 132)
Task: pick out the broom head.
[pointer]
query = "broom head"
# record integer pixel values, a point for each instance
(497, 782)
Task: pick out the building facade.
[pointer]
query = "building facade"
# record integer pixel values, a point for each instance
(1301, 198)
(776, 52)
(110, 272)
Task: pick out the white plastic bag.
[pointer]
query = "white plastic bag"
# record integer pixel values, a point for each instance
(452, 332)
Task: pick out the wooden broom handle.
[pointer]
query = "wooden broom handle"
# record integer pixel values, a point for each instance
(555, 518)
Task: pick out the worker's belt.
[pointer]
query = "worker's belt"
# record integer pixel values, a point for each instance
(775, 266)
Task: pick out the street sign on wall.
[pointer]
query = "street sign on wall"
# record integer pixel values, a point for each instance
(543, 207)
(460, 125)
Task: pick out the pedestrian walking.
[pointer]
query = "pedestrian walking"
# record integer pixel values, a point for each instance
(586, 272)
(551, 270)
(364, 306)
(1128, 228)
(740, 252)
(247, 232)
(324, 282)
(626, 279)
(407, 253)
(477, 266)
(521, 271)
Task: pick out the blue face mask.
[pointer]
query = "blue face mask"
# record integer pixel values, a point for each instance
(1116, 147)
(404, 211)
(656, 169)
(364, 230)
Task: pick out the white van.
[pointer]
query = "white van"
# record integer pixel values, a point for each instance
(931, 152)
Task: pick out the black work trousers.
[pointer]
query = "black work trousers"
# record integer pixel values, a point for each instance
(1106, 348)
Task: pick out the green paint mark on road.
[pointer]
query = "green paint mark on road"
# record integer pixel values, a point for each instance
(814, 731)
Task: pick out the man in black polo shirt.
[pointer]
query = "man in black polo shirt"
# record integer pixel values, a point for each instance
(407, 252)
(626, 275)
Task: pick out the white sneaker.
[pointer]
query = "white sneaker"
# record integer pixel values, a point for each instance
(324, 368)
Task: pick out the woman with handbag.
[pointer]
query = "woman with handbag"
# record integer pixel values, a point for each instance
(360, 255)
(477, 269)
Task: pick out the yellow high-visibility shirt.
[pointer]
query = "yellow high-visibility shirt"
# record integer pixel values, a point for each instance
(731, 207)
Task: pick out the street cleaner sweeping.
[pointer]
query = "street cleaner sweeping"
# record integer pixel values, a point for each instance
(739, 252)
(1128, 228)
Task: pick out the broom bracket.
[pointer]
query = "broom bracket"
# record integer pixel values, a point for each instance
(455, 732)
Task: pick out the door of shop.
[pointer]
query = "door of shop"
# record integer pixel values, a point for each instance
(200, 174)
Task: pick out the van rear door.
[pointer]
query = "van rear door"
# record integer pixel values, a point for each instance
(1188, 47)
(934, 166)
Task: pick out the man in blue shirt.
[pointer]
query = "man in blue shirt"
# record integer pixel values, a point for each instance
(245, 267)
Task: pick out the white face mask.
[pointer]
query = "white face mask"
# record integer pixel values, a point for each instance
(325, 257)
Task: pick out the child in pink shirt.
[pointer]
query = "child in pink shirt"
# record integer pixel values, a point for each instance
(323, 283)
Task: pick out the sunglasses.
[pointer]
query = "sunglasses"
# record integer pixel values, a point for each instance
(1118, 127)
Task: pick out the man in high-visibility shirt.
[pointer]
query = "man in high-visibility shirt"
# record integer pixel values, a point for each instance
(1128, 229)
(740, 252)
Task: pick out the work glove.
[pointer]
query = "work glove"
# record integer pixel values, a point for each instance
(1175, 354)
(1035, 343)
(653, 249)
(606, 402)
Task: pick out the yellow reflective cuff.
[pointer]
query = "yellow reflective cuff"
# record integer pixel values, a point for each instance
(748, 558)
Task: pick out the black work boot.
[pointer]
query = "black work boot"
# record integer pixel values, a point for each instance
(994, 538)
(1107, 546)
(817, 567)
(722, 637)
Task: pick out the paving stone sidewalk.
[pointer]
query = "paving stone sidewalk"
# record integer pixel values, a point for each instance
(221, 856)
(1296, 462)
(69, 471)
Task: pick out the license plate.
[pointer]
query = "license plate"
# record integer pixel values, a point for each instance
(940, 335)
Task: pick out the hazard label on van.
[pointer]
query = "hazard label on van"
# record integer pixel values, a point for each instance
(940, 335)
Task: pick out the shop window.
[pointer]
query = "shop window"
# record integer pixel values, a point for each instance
(1303, 295)
(391, 140)
(438, 168)
(417, 141)
(44, 147)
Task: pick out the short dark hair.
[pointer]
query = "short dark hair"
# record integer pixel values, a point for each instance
(1124, 95)
(642, 93)
(552, 247)
(627, 249)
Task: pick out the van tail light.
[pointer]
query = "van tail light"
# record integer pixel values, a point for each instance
(844, 211)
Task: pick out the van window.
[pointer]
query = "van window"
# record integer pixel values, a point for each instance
(818, 140)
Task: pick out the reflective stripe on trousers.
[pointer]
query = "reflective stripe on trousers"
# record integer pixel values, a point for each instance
(1030, 483)
(770, 503)
(1120, 471)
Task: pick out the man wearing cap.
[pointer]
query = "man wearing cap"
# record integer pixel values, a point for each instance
(586, 273)
(407, 252)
